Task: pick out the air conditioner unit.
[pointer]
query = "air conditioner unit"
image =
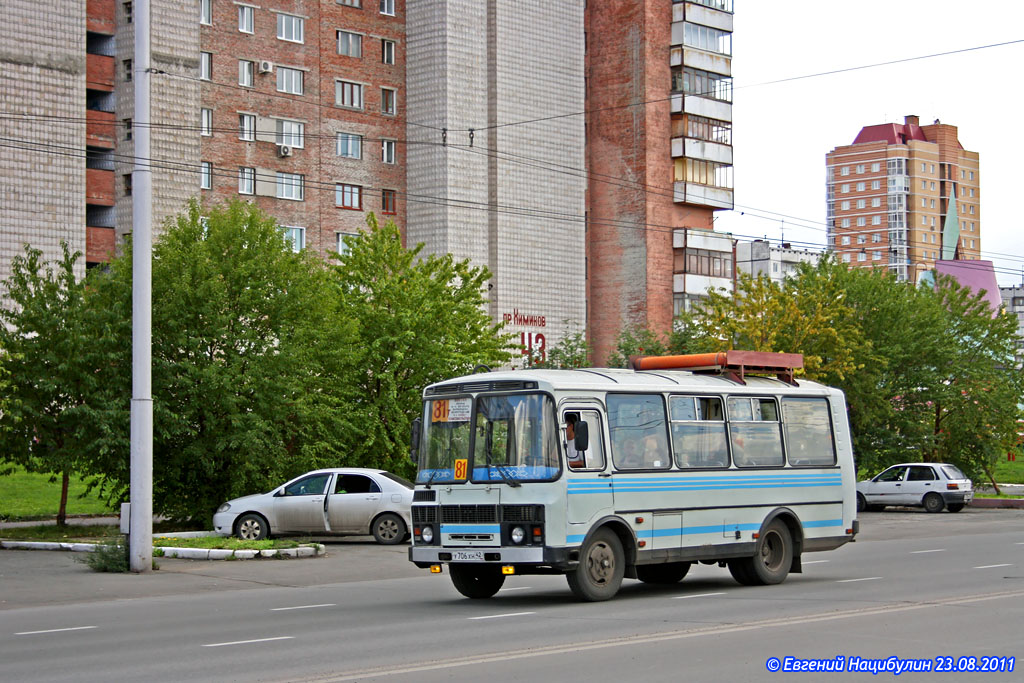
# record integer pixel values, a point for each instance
(284, 151)
(266, 66)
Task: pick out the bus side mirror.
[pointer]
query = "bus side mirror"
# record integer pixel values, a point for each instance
(414, 440)
(582, 440)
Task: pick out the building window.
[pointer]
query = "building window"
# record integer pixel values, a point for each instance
(932, 169)
(388, 202)
(246, 18)
(972, 209)
(703, 172)
(387, 51)
(246, 180)
(876, 256)
(931, 185)
(845, 187)
(931, 204)
(700, 83)
(924, 184)
(861, 221)
(343, 247)
(127, 69)
(845, 223)
(290, 186)
(350, 146)
(348, 196)
(205, 66)
(290, 28)
(970, 175)
(860, 204)
(247, 127)
(933, 221)
(127, 12)
(846, 258)
(290, 133)
(205, 175)
(707, 38)
(876, 202)
(205, 121)
(387, 151)
(387, 101)
(127, 128)
(289, 80)
(350, 3)
(348, 94)
(703, 128)
(206, 12)
(876, 184)
(704, 262)
(876, 220)
(845, 206)
(861, 239)
(860, 187)
(862, 256)
(350, 44)
(845, 170)
(876, 167)
(294, 238)
(246, 71)
(387, 7)
(860, 168)
(924, 167)
(127, 184)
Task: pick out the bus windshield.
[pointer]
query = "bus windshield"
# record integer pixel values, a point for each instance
(514, 439)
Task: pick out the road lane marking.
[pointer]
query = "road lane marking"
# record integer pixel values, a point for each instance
(814, 562)
(285, 609)
(993, 566)
(918, 552)
(55, 630)
(667, 636)
(501, 616)
(517, 588)
(246, 642)
(699, 595)
(869, 578)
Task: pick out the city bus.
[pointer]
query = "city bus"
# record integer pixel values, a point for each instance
(604, 474)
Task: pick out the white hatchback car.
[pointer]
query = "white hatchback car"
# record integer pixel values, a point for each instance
(349, 501)
(933, 485)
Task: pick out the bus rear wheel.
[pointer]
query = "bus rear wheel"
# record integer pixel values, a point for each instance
(771, 561)
(602, 565)
(476, 581)
(664, 574)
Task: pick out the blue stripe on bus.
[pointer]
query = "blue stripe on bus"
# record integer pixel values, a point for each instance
(708, 529)
(682, 487)
(470, 529)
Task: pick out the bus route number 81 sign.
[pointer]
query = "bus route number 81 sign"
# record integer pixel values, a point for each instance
(450, 410)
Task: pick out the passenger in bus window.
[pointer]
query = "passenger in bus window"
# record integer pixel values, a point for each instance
(632, 458)
(577, 459)
(652, 457)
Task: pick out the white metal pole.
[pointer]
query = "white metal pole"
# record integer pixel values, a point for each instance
(140, 545)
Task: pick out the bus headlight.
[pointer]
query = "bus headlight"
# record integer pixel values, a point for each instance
(517, 535)
(427, 534)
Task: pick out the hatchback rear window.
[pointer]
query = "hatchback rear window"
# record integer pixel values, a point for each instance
(952, 472)
(394, 477)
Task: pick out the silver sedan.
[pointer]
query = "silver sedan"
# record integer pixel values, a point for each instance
(344, 501)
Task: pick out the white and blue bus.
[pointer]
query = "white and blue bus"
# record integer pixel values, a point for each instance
(605, 474)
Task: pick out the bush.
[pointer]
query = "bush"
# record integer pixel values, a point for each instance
(110, 556)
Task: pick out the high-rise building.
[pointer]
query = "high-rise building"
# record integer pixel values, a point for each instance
(903, 196)
(659, 159)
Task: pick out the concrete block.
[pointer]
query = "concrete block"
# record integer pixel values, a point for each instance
(220, 553)
(246, 554)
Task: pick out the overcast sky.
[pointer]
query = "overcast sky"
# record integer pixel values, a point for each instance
(782, 131)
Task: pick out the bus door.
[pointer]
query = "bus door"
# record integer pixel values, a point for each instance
(589, 485)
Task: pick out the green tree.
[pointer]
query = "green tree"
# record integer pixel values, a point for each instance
(572, 351)
(251, 363)
(46, 383)
(636, 341)
(422, 319)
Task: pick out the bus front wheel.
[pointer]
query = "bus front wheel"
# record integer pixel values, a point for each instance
(602, 565)
(770, 564)
(477, 581)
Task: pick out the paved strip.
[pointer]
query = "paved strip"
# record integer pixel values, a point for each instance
(918, 552)
(55, 630)
(993, 566)
(246, 642)
(502, 616)
(627, 641)
(869, 578)
(285, 609)
(699, 595)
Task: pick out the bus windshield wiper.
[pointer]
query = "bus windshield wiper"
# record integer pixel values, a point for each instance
(431, 478)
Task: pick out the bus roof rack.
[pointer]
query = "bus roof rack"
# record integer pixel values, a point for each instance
(733, 364)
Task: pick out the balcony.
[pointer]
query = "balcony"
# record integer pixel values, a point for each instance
(701, 106)
(99, 244)
(99, 73)
(702, 195)
(99, 187)
(99, 16)
(100, 130)
(693, 148)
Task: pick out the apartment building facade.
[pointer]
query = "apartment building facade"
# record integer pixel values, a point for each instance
(659, 159)
(760, 257)
(903, 196)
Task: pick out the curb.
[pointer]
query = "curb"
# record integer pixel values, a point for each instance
(1012, 503)
(313, 550)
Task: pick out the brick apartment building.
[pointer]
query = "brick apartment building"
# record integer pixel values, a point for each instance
(903, 196)
(659, 156)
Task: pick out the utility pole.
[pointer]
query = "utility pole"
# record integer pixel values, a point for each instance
(140, 531)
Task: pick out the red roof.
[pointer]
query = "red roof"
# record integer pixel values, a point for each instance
(891, 133)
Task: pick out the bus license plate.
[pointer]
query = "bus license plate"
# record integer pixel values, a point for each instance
(468, 555)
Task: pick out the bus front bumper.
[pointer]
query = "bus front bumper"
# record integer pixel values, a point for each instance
(425, 556)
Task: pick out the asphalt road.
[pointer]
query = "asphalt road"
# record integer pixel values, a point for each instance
(913, 586)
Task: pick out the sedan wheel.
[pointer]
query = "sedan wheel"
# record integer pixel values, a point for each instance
(933, 502)
(252, 527)
(389, 529)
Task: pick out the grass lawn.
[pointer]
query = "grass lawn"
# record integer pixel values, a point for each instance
(1010, 471)
(25, 495)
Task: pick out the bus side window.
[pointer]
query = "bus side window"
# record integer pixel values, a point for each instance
(593, 456)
